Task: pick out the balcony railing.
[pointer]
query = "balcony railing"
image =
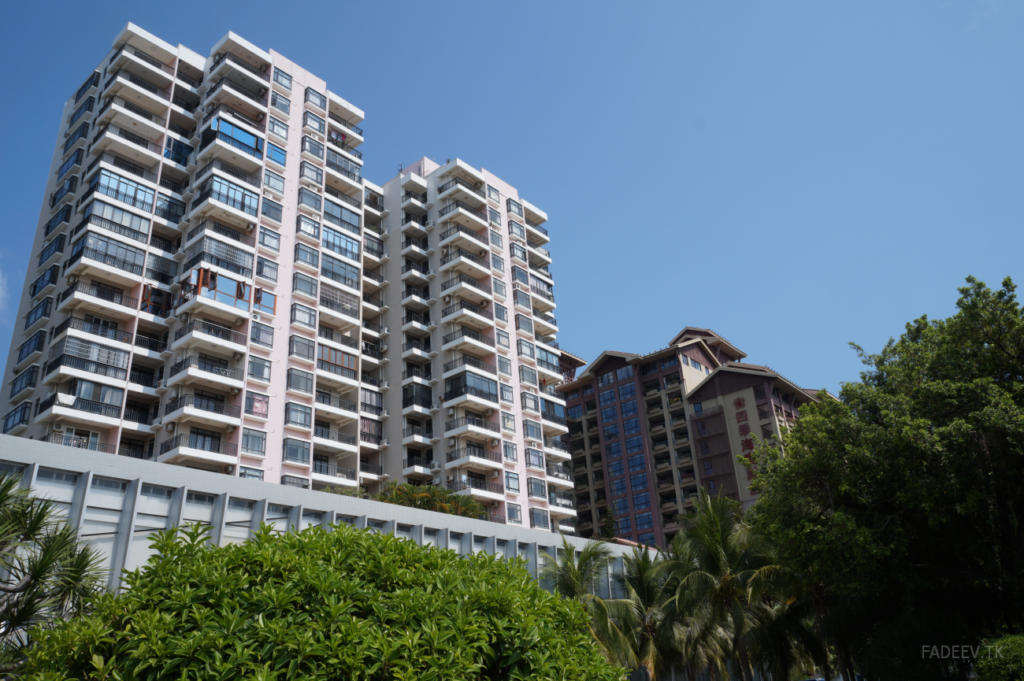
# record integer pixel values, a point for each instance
(416, 460)
(206, 366)
(218, 228)
(232, 142)
(544, 293)
(371, 438)
(101, 293)
(466, 255)
(133, 108)
(333, 470)
(242, 64)
(209, 329)
(89, 365)
(543, 363)
(560, 471)
(465, 279)
(104, 259)
(225, 110)
(468, 333)
(468, 307)
(139, 378)
(478, 452)
(139, 54)
(336, 305)
(228, 169)
(373, 469)
(203, 443)
(472, 484)
(455, 205)
(471, 421)
(534, 225)
(336, 401)
(344, 147)
(79, 404)
(337, 337)
(468, 361)
(92, 328)
(458, 181)
(78, 442)
(138, 82)
(416, 345)
(203, 404)
(334, 435)
(342, 122)
(335, 369)
(231, 85)
(471, 391)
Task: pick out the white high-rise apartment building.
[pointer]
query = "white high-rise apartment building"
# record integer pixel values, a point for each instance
(211, 287)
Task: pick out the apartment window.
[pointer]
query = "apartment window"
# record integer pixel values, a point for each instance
(259, 368)
(279, 128)
(282, 79)
(269, 238)
(609, 414)
(311, 120)
(305, 316)
(514, 207)
(500, 312)
(575, 412)
(254, 442)
(272, 210)
(618, 487)
(518, 252)
(505, 366)
(623, 526)
(670, 362)
(315, 98)
(497, 263)
(266, 269)
(303, 284)
(709, 468)
(634, 444)
(496, 239)
(605, 379)
(616, 469)
(644, 521)
(648, 368)
(620, 506)
(532, 431)
(43, 309)
(531, 402)
(520, 275)
(613, 450)
(510, 452)
(524, 323)
(261, 334)
(301, 347)
(646, 538)
(636, 463)
(607, 396)
(26, 379)
(339, 271)
(512, 482)
(493, 194)
(74, 160)
(539, 518)
(123, 189)
(277, 154)
(536, 488)
(344, 218)
(574, 394)
(257, 405)
(305, 254)
(499, 287)
(264, 301)
(280, 102)
(624, 373)
(629, 409)
(339, 243)
(301, 381)
(638, 481)
(309, 198)
(611, 431)
(522, 299)
(508, 421)
(641, 501)
(19, 416)
(684, 360)
(296, 451)
(494, 216)
(631, 426)
(249, 474)
(525, 348)
(502, 338)
(506, 392)
(516, 229)
(515, 514)
(298, 415)
(627, 390)
(273, 181)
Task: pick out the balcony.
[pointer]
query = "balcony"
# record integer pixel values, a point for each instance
(371, 441)
(193, 369)
(238, 96)
(74, 326)
(463, 237)
(538, 233)
(460, 260)
(99, 300)
(462, 213)
(126, 115)
(335, 440)
(333, 474)
(417, 465)
(460, 190)
(75, 410)
(468, 361)
(230, 172)
(490, 491)
(337, 312)
(150, 65)
(555, 448)
(462, 312)
(475, 457)
(206, 335)
(468, 340)
(219, 145)
(90, 263)
(202, 410)
(336, 374)
(468, 396)
(62, 439)
(337, 406)
(414, 225)
(200, 448)
(543, 300)
(468, 288)
(130, 86)
(470, 424)
(559, 474)
(417, 348)
(561, 503)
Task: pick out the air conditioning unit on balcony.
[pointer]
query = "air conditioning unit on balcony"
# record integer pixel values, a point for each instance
(58, 427)
(183, 317)
(495, 442)
(435, 466)
(449, 477)
(451, 411)
(447, 299)
(170, 427)
(437, 481)
(495, 475)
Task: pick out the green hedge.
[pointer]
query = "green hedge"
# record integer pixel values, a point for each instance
(341, 604)
(1001, 660)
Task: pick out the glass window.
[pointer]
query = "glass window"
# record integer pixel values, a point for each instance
(493, 193)
(531, 402)
(636, 463)
(641, 501)
(266, 269)
(631, 426)
(507, 394)
(629, 409)
(277, 154)
(301, 347)
(613, 450)
(518, 252)
(282, 78)
(311, 120)
(496, 239)
(515, 514)
(607, 396)
(522, 299)
(516, 229)
(525, 348)
(575, 411)
(341, 216)
(261, 334)
(623, 526)
(315, 98)
(527, 375)
(508, 421)
(499, 288)
(618, 487)
(296, 450)
(494, 216)
(505, 366)
(510, 451)
(298, 415)
(624, 373)
(615, 469)
(280, 102)
(670, 362)
(259, 368)
(254, 442)
(303, 284)
(605, 379)
(273, 181)
(512, 482)
(627, 390)
(257, 405)
(644, 521)
(609, 414)
(498, 263)
(272, 210)
(304, 316)
(502, 338)
(279, 128)
(634, 444)
(514, 207)
(611, 431)
(531, 430)
(500, 312)
(264, 301)
(269, 238)
(638, 481)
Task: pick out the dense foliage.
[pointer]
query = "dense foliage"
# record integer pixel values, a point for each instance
(341, 604)
(431, 498)
(899, 505)
(1001, 660)
(45, 574)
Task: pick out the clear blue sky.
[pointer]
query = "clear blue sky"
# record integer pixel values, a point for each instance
(793, 175)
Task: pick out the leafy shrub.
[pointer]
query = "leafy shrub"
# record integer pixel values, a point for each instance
(1001, 660)
(340, 604)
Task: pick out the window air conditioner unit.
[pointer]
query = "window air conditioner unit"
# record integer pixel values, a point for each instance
(451, 411)
(495, 443)
(452, 442)
(489, 412)
(435, 466)
(171, 427)
(58, 427)
(447, 299)
(437, 481)
(495, 475)
(449, 477)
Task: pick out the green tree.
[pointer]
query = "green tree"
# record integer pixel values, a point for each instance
(46, 575)
(1001, 660)
(576, 574)
(608, 526)
(322, 604)
(899, 504)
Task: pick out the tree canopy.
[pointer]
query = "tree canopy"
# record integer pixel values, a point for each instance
(899, 504)
(339, 604)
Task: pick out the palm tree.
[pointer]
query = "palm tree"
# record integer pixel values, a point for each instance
(722, 575)
(576, 574)
(45, 574)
